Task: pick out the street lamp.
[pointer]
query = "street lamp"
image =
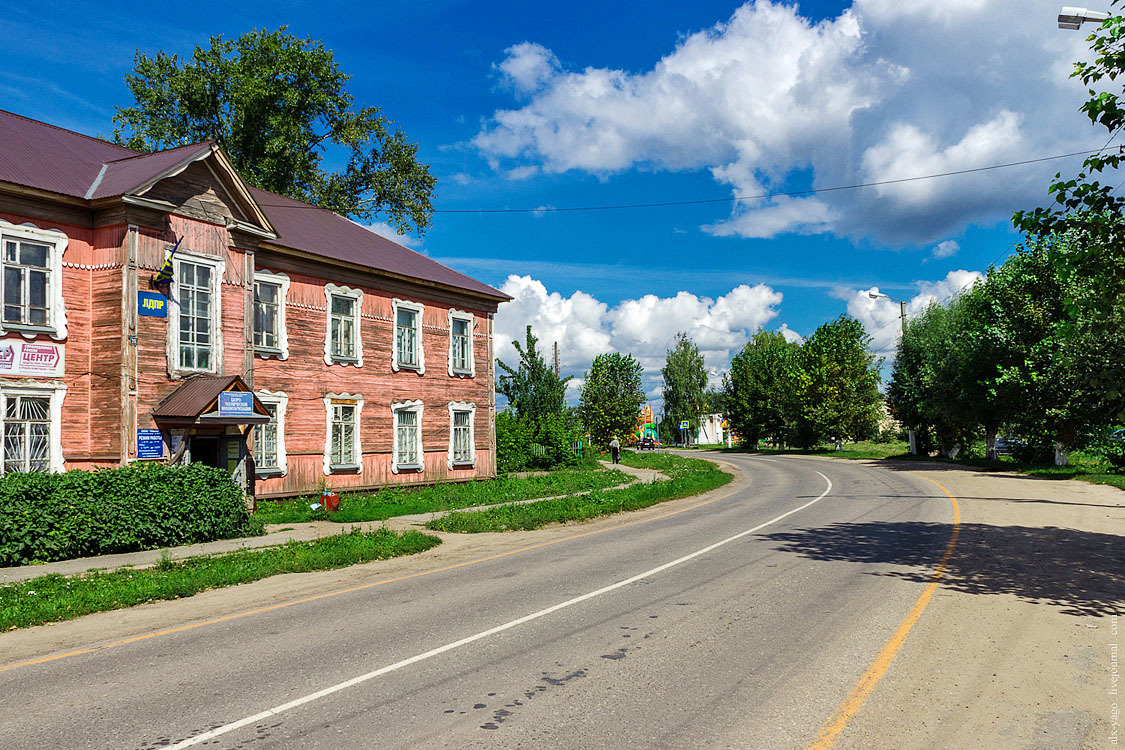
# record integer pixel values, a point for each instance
(1073, 18)
(902, 317)
(901, 306)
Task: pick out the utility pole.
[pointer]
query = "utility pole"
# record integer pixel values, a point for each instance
(902, 318)
(557, 357)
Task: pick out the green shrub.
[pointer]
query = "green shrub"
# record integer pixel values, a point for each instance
(48, 517)
(529, 443)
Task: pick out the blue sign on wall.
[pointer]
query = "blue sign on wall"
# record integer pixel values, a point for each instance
(152, 304)
(150, 444)
(236, 404)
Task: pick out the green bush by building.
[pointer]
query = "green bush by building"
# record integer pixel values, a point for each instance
(49, 517)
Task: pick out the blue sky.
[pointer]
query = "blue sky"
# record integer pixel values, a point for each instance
(525, 105)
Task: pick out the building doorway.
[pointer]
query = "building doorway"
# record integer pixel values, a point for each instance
(205, 450)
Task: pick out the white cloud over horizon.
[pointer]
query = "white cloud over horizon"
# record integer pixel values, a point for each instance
(644, 327)
(884, 91)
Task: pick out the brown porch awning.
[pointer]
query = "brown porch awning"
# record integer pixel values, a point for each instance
(198, 402)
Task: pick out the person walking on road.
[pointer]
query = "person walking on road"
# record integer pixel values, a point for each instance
(615, 449)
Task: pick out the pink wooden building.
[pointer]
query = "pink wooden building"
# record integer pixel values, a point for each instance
(369, 363)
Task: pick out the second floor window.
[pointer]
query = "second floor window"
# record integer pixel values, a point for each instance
(195, 298)
(342, 327)
(267, 315)
(27, 279)
(406, 338)
(459, 345)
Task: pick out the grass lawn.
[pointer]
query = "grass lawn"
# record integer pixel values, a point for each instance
(1087, 467)
(687, 476)
(403, 501)
(53, 598)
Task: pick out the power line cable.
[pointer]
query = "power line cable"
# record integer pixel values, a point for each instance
(728, 199)
(760, 196)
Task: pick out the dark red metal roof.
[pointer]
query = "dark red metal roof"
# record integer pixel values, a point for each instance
(321, 232)
(38, 155)
(126, 175)
(43, 156)
(194, 395)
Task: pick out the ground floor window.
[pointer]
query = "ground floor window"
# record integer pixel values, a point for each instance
(462, 449)
(269, 439)
(407, 449)
(31, 426)
(342, 445)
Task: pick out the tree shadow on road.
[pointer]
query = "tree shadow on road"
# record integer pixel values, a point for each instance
(1080, 572)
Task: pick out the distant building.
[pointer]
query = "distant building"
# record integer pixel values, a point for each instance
(710, 430)
(293, 347)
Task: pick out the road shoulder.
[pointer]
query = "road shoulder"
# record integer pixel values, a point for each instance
(1014, 649)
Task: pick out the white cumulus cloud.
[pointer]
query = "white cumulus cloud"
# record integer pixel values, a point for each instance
(585, 327)
(885, 90)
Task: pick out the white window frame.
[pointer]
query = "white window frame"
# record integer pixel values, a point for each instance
(471, 408)
(419, 310)
(281, 280)
(329, 467)
(468, 317)
(57, 240)
(218, 271)
(396, 407)
(56, 392)
(330, 291)
(280, 401)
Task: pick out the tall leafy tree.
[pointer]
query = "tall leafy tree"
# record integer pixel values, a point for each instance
(278, 104)
(760, 389)
(1092, 212)
(685, 382)
(839, 391)
(611, 396)
(925, 392)
(532, 388)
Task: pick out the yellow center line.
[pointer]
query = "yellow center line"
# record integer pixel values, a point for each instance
(851, 705)
(353, 589)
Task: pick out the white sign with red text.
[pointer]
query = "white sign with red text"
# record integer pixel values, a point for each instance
(35, 358)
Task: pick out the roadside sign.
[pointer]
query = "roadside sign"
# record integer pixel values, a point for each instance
(236, 404)
(152, 304)
(150, 444)
(685, 425)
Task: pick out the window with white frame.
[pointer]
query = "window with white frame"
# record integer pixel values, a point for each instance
(194, 334)
(342, 343)
(31, 271)
(407, 352)
(462, 448)
(407, 448)
(270, 292)
(342, 445)
(32, 420)
(461, 360)
(269, 439)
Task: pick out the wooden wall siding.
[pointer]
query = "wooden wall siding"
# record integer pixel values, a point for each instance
(105, 362)
(306, 474)
(306, 380)
(78, 376)
(91, 281)
(94, 408)
(197, 194)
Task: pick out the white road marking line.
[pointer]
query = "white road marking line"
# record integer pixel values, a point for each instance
(483, 634)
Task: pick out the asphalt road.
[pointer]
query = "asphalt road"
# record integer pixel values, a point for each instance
(685, 626)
